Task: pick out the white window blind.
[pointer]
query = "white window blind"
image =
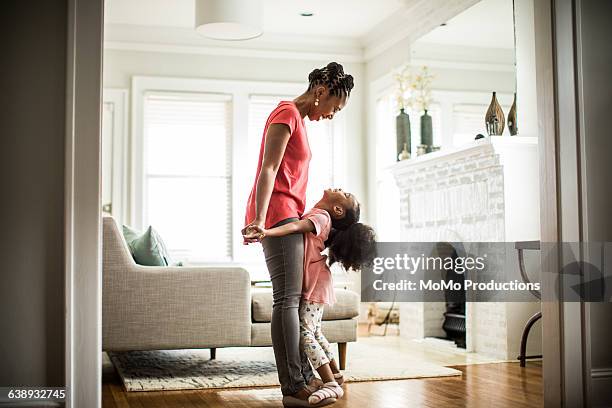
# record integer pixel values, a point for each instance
(468, 121)
(320, 137)
(187, 173)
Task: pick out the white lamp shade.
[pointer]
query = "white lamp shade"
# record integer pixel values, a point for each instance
(229, 19)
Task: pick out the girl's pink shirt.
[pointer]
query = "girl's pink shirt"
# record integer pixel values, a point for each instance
(317, 285)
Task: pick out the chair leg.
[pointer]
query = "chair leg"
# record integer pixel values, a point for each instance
(523, 351)
(213, 353)
(342, 355)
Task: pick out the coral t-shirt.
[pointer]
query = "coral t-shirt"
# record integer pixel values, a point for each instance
(288, 198)
(317, 285)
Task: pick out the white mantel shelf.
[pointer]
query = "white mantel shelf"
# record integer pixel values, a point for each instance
(461, 151)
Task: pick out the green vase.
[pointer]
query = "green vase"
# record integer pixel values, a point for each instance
(426, 131)
(402, 132)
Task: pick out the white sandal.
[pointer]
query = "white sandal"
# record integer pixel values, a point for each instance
(290, 401)
(329, 390)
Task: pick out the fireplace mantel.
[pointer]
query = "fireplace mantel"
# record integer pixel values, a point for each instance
(491, 178)
(486, 191)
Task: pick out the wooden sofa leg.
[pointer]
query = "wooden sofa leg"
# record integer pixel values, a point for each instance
(342, 356)
(213, 353)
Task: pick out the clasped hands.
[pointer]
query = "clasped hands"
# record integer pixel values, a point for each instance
(254, 232)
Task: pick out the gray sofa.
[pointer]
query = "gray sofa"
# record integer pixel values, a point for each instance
(160, 308)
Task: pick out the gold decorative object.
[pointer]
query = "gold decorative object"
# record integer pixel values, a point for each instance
(512, 126)
(494, 119)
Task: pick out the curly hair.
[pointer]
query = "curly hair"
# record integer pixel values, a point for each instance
(350, 242)
(333, 77)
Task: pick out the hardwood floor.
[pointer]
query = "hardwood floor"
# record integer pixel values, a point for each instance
(498, 385)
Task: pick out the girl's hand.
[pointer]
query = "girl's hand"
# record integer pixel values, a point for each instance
(255, 233)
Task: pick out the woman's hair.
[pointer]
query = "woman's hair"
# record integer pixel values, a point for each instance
(350, 242)
(333, 77)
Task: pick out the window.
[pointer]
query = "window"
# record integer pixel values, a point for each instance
(468, 121)
(187, 173)
(195, 150)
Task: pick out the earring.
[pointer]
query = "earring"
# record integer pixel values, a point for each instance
(317, 102)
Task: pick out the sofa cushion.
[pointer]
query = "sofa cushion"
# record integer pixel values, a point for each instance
(346, 307)
(147, 249)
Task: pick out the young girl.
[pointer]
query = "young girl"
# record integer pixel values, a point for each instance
(332, 223)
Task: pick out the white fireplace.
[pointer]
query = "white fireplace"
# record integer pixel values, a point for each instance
(487, 191)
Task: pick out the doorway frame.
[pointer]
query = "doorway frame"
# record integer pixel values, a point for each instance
(82, 198)
(83, 235)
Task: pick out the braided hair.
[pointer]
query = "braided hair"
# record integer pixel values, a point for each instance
(333, 77)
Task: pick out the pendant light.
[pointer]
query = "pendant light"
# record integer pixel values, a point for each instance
(232, 20)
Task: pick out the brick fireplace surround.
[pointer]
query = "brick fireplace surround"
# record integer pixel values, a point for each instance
(486, 191)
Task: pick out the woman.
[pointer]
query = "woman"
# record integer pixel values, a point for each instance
(279, 197)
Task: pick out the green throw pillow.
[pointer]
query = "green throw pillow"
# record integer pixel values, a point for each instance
(147, 249)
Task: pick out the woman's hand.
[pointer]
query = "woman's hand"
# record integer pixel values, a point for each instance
(252, 232)
(255, 232)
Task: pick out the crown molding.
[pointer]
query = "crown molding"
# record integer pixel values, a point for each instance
(269, 45)
(446, 56)
(417, 18)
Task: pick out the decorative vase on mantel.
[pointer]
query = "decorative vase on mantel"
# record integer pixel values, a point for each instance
(512, 126)
(402, 132)
(494, 119)
(426, 131)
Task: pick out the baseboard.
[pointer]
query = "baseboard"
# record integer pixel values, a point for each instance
(601, 383)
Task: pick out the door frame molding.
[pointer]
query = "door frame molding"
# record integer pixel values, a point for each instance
(83, 207)
(552, 312)
(82, 232)
(118, 98)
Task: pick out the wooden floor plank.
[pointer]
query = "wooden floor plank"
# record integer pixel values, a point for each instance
(501, 385)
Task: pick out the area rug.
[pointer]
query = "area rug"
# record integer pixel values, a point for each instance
(255, 367)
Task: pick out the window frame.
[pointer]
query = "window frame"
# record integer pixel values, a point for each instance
(240, 92)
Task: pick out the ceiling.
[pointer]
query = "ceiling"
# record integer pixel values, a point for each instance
(352, 30)
(337, 18)
(489, 24)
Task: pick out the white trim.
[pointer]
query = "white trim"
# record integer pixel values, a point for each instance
(415, 19)
(119, 100)
(83, 243)
(234, 52)
(270, 45)
(466, 66)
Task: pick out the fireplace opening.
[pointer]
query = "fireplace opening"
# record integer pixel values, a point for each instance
(454, 315)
